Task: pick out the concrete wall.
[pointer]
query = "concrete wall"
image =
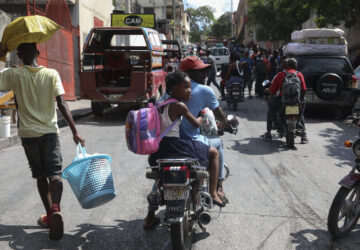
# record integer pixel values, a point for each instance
(90, 9)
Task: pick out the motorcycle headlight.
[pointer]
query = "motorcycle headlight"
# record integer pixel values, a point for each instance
(356, 148)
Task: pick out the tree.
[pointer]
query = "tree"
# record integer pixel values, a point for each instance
(201, 21)
(276, 19)
(336, 11)
(222, 26)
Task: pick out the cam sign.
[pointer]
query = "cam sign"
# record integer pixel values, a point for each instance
(133, 20)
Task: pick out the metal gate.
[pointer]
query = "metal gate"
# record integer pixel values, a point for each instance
(58, 52)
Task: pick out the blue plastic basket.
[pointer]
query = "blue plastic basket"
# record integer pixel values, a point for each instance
(91, 179)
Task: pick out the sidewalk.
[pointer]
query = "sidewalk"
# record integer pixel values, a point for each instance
(79, 109)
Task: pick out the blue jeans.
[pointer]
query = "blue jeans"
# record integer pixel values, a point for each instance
(216, 142)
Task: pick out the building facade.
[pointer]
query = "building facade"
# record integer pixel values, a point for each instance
(164, 11)
(63, 51)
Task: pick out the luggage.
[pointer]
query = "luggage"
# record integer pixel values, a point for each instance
(312, 33)
(143, 133)
(28, 29)
(314, 49)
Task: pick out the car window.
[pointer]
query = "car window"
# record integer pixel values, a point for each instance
(215, 52)
(226, 52)
(128, 40)
(221, 52)
(335, 65)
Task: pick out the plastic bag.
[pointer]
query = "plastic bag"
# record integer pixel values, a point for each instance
(208, 126)
(28, 29)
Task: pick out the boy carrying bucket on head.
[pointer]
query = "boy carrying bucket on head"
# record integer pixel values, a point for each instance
(35, 88)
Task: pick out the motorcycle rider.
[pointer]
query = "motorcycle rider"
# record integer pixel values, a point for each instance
(201, 96)
(234, 71)
(274, 103)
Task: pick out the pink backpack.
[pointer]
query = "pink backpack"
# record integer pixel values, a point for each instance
(142, 129)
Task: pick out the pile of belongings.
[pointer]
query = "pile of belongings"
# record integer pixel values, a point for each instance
(28, 29)
(317, 42)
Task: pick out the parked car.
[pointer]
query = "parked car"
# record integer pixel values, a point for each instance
(221, 55)
(330, 81)
(122, 65)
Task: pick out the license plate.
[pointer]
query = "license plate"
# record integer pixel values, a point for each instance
(236, 93)
(292, 110)
(175, 193)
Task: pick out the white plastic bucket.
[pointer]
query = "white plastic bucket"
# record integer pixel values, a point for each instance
(5, 126)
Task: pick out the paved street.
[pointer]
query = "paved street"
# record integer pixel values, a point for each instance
(279, 198)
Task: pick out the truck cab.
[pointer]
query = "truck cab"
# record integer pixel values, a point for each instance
(122, 65)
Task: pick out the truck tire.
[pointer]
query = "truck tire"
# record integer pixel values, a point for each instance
(329, 86)
(98, 108)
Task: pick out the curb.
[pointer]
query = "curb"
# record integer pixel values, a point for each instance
(14, 139)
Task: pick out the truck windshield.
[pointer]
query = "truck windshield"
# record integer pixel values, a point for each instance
(104, 39)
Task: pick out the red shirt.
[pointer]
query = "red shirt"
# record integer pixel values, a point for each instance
(276, 85)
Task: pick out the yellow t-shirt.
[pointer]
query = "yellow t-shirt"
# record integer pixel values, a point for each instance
(35, 89)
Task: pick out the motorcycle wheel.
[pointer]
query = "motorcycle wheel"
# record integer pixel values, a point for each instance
(234, 104)
(182, 232)
(344, 212)
(290, 139)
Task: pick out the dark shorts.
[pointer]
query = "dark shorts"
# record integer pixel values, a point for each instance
(43, 154)
(173, 147)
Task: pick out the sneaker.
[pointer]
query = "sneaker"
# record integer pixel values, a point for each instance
(56, 226)
(267, 136)
(304, 139)
(43, 221)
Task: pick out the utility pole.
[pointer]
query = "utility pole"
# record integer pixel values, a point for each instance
(231, 20)
(173, 12)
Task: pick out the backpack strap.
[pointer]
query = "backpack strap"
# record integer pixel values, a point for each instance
(164, 103)
(237, 66)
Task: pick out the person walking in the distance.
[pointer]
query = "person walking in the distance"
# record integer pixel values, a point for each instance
(35, 88)
(212, 70)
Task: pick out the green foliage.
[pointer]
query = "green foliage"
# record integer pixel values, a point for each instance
(276, 19)
(201, 21)
(335, 11)
(222, 26)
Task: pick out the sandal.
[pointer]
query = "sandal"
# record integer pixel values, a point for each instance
(220, 204)
(223, 198)
(43, 221)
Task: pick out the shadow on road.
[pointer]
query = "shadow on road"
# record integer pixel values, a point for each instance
(257, 146)
(124, 235)
(321, 239)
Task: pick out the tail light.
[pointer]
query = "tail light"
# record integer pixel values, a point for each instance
(354, 82)
(176, 175)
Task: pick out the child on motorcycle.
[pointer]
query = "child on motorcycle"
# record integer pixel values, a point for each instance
(178, 87)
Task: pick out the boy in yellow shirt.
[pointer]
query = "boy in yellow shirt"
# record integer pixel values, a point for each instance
(35, 88)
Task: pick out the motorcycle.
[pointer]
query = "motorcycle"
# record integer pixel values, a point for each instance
(183, 187)
(234, 95)
(287, 121)
(344, 212)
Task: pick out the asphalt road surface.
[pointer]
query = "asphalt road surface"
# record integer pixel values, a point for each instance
(279, 198)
